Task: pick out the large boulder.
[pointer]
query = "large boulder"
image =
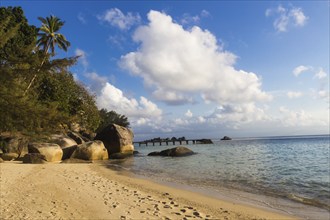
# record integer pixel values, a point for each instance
(51, 151)
(34, 158)
(76, 137)
(68, 151)
(9, 156)
(116, 139)
(93, 150)
(10, 143)
(62, 140)
(179, 151)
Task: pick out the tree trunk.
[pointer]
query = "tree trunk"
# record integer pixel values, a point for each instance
(35, 75)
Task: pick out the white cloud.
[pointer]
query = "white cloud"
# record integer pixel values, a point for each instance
(292, 94)
(181, 64)
(205, 13)
(285, 17)
(82, 18)
(117, 18)
(188, 114)
(290, 118)
(112, 98)
(188, 19)
(194, 19)
(82, 57)
(300, 69)
(299, 17)
(320, 74)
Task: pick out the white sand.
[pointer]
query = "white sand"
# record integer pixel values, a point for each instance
(89, 191)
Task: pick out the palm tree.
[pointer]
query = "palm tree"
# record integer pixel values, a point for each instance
(49, 37)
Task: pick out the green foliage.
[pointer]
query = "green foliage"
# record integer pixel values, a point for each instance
(55, 98)
(49, 36)
(111, 117)
(23, 40)
(71, 99)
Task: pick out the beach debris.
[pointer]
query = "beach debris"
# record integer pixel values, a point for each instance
(51, 151)
(116, 139)
(93, 150)
(179, 151)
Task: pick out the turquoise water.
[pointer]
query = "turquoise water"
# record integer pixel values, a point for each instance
(295, 168)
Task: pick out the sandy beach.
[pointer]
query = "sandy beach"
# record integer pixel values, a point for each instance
(91, 191)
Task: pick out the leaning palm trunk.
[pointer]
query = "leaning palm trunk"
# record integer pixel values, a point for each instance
(35, 75)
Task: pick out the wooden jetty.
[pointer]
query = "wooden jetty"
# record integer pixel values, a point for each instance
(160, 142)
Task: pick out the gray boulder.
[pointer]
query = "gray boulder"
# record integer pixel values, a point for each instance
(68, 151)
(93, 150)
(52, 152)
(76, 137)
(34, 158)
(9, 156)
(10, 143)
(179, 151)
(63, 140)
(116, 139)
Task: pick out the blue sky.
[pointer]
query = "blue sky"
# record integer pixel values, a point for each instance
(201, 68)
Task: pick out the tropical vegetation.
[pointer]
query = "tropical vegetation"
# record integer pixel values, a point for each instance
(38, 93)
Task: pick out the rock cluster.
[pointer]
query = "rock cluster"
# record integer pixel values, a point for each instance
(112, 142)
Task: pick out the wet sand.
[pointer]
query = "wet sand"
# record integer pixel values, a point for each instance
(91, 191)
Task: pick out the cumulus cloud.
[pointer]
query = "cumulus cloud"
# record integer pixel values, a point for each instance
(290, 118)
(82, 18)
(320, 74)
(117, 18)
(179, 64)
(112, 98)
(286, 17)
(292, 94)
(188, 114)
(193, 19)
(300, 69)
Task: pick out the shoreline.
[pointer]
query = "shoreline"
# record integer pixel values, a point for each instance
(92, 191)
(280, 205)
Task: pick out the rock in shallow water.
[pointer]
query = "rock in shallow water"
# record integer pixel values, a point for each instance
(116, 139)
(173, 152)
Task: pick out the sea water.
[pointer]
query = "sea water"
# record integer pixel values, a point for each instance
(293, 168)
